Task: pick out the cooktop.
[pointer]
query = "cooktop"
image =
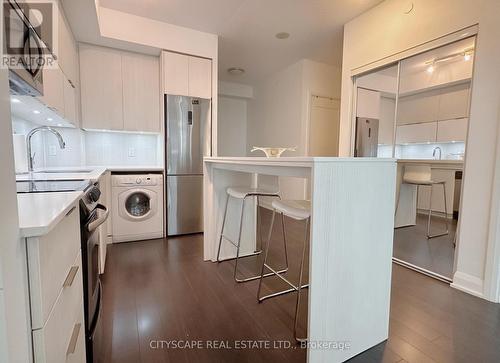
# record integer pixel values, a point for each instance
(44, 186)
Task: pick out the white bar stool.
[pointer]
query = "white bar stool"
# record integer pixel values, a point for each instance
(242, 193)
(420, 175)
(299, 210)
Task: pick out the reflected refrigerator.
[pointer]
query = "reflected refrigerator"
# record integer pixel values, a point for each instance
(187, 140)
(366, 137)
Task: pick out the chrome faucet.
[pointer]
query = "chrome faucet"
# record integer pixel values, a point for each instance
(434, 152)
(62, 144)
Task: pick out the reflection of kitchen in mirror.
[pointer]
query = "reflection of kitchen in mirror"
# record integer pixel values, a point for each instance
(417, 111)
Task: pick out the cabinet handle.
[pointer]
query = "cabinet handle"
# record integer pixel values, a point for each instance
(71, 211)
(73, 339)
(71, 276)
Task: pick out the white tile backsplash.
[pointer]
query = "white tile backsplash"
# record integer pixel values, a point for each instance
(113, 148)
(92, 147)
(450, 150)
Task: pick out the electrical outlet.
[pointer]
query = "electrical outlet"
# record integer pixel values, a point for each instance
(131, 152)
(52, 150)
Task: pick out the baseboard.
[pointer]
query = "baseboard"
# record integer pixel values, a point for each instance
(469, 284)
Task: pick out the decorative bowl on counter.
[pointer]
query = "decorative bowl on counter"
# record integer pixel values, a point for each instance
(273, 152)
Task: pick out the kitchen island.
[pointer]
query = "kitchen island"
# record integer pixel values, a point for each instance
(351, 235)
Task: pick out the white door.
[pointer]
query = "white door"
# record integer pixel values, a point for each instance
(324, 126)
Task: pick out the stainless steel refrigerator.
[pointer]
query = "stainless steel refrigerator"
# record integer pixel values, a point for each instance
(366, 137)
(187, 141)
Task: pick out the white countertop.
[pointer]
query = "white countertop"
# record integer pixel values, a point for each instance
(124, 168)
(92, 173)
(289, 160)
(432, 161)
(39, 213)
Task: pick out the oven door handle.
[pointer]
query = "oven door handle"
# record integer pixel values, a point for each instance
(97, 315)
(92, 226)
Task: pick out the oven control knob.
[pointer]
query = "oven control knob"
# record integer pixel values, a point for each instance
(138, 181)
(93, 195)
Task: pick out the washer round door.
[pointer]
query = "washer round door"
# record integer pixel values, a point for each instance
(137, 204)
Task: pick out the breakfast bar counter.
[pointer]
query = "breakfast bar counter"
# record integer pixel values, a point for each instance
(351, 235)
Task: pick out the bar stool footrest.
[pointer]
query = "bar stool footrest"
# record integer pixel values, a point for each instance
(256, 253)
(282, 292)
(258, 276)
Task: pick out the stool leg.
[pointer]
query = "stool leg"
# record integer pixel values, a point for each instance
(284, 240)
(430, 214)
(239, 241)
(265, 255)
(445, 208)
(429, 236)
(299, 286)
(259, 222)
(222, 229)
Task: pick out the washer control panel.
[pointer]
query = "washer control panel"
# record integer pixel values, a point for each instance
(139, 180)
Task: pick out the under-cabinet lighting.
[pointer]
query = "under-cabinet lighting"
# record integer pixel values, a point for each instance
(36, 112)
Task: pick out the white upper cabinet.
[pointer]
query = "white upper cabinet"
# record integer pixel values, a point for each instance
(119, 90)
(101, 87)
(200, 77)
(454, 102)
(175, 74)
(141, 92)
(422, 107)
(452, 130)
(416, 133)
(68, 50)
(53, 90)
(186, 75)
(368, 103)
(70, 102)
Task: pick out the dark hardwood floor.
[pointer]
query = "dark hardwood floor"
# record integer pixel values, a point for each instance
(161, 290)
(435, 254)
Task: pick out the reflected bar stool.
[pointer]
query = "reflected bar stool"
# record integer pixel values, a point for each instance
(420, 175)
(241, 193)
(299, 210)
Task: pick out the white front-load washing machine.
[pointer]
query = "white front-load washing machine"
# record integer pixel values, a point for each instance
(137, 207)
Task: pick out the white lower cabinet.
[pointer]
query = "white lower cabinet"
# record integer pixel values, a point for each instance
(57, 340)
(50, 263)
(56, 293)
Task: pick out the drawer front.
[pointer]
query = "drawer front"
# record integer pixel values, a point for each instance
(50, 263)
(61, 338)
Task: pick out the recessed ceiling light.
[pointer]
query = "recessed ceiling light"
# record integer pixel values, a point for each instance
(430, 69)
(235, 71)
(15, 100)
(36, 112)
(282, 35)
(59, 125)
(49, 119)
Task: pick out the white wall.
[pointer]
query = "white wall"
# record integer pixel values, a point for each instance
(278, 115)
(385, 31)
(232, 126)
(232, 118)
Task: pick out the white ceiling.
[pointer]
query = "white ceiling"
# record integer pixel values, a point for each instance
(247, 28)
